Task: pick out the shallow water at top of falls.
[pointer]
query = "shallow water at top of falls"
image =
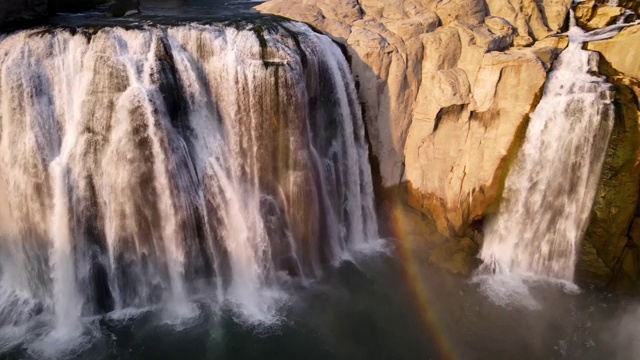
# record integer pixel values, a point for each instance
(166, 12)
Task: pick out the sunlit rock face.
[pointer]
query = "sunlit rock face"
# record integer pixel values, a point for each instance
(622, 51)
(437, 82)
(533, 19)
(448, 89)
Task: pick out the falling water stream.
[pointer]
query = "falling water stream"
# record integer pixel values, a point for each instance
(147, 166)
(552, 184)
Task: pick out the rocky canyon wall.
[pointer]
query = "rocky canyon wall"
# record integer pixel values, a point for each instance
(447, 88)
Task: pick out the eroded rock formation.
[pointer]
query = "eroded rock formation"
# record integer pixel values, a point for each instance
(437, 79)
(447, 88)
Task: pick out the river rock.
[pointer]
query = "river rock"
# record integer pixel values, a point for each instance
(610, 255)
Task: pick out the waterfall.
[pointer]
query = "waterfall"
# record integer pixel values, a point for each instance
(144, 167)
(552, 184)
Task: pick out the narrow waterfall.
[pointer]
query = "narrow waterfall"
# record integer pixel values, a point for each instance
(143, 167)
(551, 187)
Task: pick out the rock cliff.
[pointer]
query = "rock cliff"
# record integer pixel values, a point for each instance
(447, 88)
(21, 10)
(437, 79)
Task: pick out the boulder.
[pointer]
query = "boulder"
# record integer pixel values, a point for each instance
(124, 7)
(72, 6)
(622, 51)
(590, 15)
(534, 19)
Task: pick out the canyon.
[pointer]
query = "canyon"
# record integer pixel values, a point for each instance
(448, 88)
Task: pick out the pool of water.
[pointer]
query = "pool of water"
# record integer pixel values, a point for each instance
(370, 309)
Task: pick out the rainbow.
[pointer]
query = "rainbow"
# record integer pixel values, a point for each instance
(413, 273)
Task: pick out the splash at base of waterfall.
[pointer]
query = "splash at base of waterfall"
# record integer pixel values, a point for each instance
(151, 167)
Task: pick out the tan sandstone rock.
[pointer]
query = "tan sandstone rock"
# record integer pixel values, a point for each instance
(534, 22)
(622, 51)
(438, 82)
(590, 15)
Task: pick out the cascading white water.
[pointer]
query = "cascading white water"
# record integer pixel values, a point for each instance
(143, 166)
(551, 187)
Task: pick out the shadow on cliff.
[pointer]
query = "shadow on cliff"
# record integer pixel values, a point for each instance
(398, 219)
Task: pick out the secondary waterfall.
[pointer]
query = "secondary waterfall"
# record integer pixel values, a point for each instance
(141, 167)
(551, 187)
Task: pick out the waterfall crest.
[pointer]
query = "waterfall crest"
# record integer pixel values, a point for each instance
(140, 167)
(551, 187)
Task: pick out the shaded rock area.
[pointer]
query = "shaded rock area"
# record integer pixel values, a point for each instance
(610, 254)
(420, 237)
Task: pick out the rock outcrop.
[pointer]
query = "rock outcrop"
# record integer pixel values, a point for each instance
(447, 88)
(622, 51)
(437, 79)
(610, 254)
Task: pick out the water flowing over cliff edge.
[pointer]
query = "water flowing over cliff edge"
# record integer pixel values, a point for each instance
(550, 190)
(438, 84)
(145, 167)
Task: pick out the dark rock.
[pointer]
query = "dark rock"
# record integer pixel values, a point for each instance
(609, 253)
(123, 7)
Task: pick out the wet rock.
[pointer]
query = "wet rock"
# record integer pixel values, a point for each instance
(436, 81)
(124, 8)
(609, 254)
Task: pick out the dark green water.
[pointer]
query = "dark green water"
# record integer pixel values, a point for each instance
(368, 312)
